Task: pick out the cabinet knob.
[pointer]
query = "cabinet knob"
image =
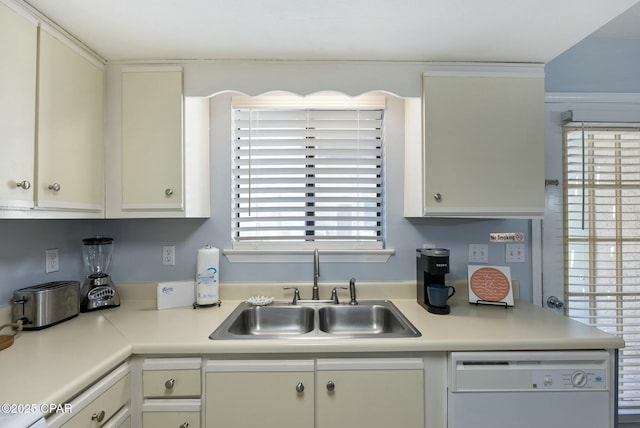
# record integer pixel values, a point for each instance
(300, 387)
(98, 416)
(23, 184)
(184, 425)
(437, 197)
(555, 303)
(55, 187)
(331, 386)
(170, 383)
(168, 192)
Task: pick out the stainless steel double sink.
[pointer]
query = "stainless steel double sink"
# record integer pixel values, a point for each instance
(368, 319)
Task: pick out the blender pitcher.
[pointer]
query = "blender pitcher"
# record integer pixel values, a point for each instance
(98, 290)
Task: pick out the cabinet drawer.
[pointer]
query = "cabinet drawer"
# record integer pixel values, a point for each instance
(171, 383)
(100, 410)
(122, 419)
(171, 420)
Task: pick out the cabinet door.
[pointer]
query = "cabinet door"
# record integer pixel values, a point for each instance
(372, 398)
(99, 411)
(70, 127)
(246, 399)
(484, 144)
(18, 50)
(152, 140)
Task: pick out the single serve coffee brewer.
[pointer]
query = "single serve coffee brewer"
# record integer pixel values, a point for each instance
(432, 265)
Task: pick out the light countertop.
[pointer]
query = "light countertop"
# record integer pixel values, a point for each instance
(50, 365)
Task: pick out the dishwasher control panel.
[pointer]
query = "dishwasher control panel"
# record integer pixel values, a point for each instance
(529, 371)
(563, 379)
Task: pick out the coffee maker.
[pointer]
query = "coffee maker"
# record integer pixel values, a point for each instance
(432, 264)
(98, 290)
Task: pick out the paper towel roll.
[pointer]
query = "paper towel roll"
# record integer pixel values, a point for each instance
(207, 274)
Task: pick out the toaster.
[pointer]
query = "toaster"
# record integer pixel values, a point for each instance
(44, 305)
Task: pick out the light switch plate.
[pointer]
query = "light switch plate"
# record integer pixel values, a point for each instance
(478, 253)
(514, 253)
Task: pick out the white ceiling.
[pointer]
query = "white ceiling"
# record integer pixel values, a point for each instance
(399, 30)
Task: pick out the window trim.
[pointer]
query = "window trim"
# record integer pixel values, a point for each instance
(594, 296)
(322, 101)
(304, 256)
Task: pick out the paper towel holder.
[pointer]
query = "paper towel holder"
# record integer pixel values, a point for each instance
(207, 277)
(196, 305)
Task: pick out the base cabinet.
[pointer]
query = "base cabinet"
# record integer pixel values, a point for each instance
(171, 392)
(324, 393)
(243, 394)
(352, 395)
(172, 415)
(104, 404)
(122, 419)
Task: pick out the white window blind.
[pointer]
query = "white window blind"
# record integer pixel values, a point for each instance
(307, 177)
(602, 241)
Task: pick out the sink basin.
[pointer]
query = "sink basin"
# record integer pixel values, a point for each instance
(270, 320)
(371, 319)
(364, 319)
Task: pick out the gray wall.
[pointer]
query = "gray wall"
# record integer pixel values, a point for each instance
(22, 252)
(140, 241)
(596, 65)
(583, 68)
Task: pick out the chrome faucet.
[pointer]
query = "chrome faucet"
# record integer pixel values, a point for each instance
(316, 273)
(352, 291)
(296, 294)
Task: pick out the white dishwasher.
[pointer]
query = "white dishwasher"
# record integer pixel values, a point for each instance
(531, 389)
(31, 419)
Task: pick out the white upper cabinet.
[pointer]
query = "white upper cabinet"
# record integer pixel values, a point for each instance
(70, 128)
(18, 54)
(158, 165)
(483, 148)
(152, 155)
(51, 122)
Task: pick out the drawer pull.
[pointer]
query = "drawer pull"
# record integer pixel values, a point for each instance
(98, 416)
(55, 187)
(331, 386)
(184, 425)
(168, 192)
(300, 387)
(170, 383)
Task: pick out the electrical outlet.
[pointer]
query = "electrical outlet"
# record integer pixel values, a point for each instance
(51, 260)
(478, 253)
(514, 253)
(169, 255)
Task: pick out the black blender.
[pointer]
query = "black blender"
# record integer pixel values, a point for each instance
(98, 290)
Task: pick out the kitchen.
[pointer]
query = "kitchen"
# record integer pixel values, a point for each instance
(139, 242)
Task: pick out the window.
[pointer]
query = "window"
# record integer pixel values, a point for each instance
(308, 172)
(602, 241)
